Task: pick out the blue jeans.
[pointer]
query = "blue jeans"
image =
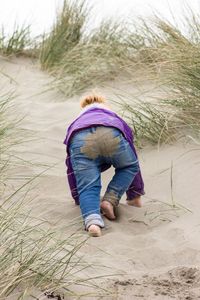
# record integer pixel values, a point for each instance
(90, 149)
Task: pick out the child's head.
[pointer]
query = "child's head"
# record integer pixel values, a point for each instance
(91, 99)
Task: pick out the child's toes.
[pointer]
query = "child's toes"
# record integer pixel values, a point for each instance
(94, 231)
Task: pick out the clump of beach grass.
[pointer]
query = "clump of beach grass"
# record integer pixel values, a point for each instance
(80, 59)
(16, 43)
(152, 122)
(98, 59)
(65, 34)
(172, 54)
(181, 71)
(32, 257)
(7, 135)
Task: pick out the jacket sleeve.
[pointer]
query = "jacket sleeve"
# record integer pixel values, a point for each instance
(72, 180)
(137, 186)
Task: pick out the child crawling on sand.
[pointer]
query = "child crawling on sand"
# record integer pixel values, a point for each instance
(97, 140)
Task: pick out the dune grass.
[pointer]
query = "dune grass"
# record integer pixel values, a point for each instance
(151, 122)
(16, 43)
(7, 136)
(79, 58)
(35, 259)
(172, 55)
(93, 61)
(65, 34)
(181, 59)
(184, 74)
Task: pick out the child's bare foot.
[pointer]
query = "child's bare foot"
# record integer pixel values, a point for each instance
(137, 202)
(108, 210)
(94, 230)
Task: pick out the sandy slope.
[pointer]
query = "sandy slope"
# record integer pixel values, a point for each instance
(156, 249)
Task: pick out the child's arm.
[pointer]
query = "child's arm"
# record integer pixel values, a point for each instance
(137, 186)
(72, 180)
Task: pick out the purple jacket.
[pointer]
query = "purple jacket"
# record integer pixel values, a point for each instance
(103, 117)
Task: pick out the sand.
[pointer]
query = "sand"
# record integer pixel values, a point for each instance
(151, 252)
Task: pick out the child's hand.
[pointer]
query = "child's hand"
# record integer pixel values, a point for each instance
(137, 201)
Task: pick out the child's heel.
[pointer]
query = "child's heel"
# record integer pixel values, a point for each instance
(94, 231)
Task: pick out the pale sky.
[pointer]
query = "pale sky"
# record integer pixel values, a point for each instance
(41, 13)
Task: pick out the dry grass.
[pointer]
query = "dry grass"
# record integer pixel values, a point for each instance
(32, 257)
(17, 42)
(65, 34)
(150, 122)
(93, 61)
(35, 259)
(173, 56)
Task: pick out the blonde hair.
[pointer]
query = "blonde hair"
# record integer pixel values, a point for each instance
(90, 99)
